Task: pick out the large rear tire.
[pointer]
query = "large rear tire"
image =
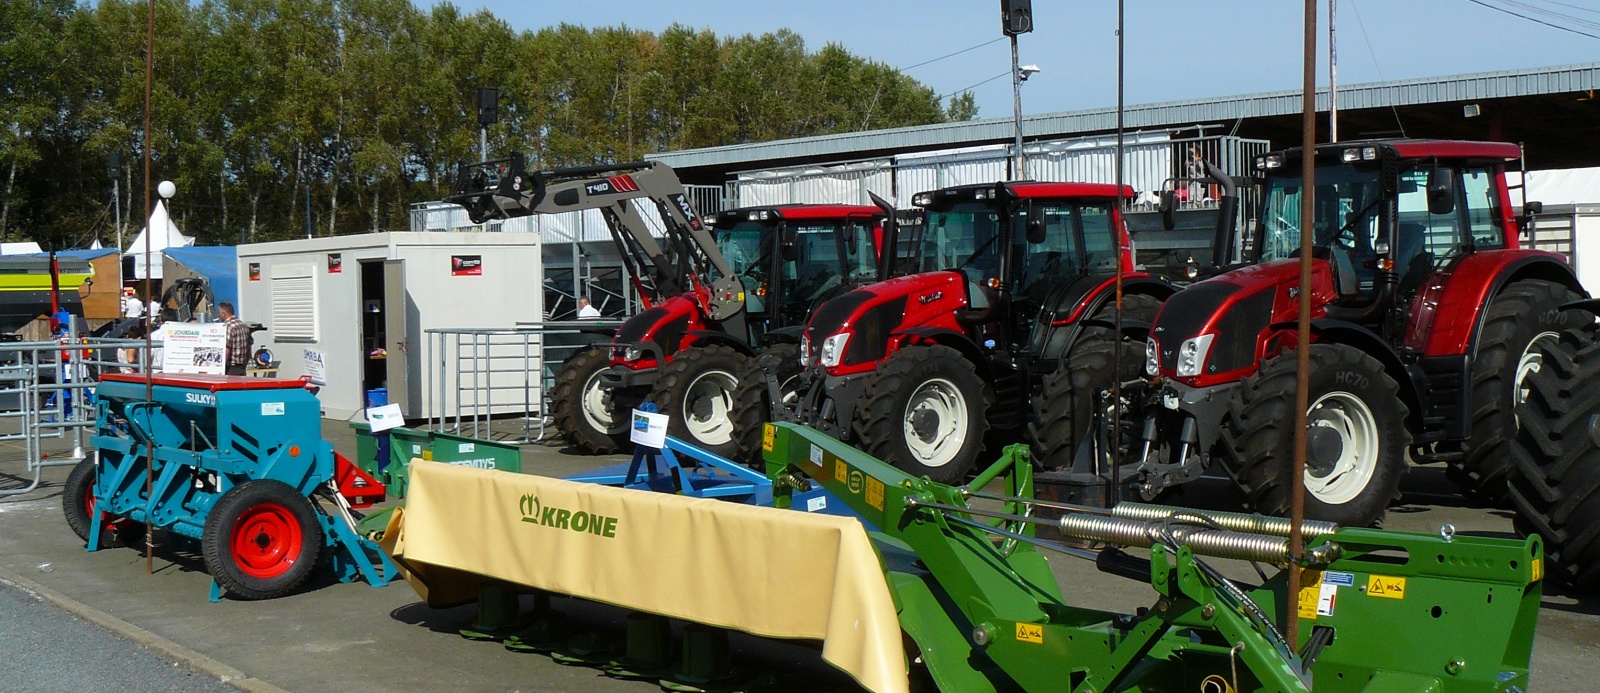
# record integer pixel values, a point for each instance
(697, 389)
(1555, 462)
(752, 403)
(1356, 436)
(78, 504)
(582, 410)
(1520, 318)
(261, 540)
(925, 410)
(1064, 412)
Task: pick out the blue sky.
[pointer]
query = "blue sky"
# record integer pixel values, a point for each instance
(1175, 50)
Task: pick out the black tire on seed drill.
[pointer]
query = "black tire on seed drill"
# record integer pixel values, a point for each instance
(222, 524)
(752, 405)
(1555, 459)
(880, 416)
(671, 391)
(75, 497)
(566, 403)
(1518, 314)
(1063, 414)
(1258, 430)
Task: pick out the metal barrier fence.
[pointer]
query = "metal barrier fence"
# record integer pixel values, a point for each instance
(477, 377)
(47, 398)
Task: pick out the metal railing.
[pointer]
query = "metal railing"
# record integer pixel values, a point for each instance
(47, 395)
(479, 379)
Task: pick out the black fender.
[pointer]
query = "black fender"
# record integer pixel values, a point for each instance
(953, 339)
(1588, 305)
(1326, 331)
(783, 335)
(705, 338)
(1530, 267)
(1146, 286)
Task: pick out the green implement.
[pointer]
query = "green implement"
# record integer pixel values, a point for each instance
(1382, 611)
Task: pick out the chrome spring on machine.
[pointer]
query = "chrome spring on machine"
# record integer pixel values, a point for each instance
(1238, 522)
(1219, 543)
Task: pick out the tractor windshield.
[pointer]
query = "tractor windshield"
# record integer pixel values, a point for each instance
(748, 246)
(1347, 207)
(964, 238)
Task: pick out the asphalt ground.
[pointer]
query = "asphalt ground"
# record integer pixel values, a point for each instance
(349, 638)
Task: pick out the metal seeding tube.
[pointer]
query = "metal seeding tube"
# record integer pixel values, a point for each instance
(1207, 542)
(1238, 522)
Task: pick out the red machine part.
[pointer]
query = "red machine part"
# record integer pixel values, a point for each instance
(355, 485)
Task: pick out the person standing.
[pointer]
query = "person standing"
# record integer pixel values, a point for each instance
(238, 352)
(586, 310)
(132, 307)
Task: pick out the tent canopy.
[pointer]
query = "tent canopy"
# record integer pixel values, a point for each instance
(166, 236)
(217, 264)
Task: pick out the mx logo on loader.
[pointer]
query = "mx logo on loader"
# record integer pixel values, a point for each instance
(537, 513)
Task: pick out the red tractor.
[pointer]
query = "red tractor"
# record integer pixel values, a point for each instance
(690, 361)
(1011, 279)
(1426, 317)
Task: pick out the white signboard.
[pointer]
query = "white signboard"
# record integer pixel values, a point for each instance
(195, 348)
(316, 368)
(649, 430)
(385, 417)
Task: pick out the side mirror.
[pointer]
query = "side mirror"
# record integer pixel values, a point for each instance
(850, 240)
(1168, 205)
(1441, 190)
(787, 244)
(1036, 230)
(1533, 207)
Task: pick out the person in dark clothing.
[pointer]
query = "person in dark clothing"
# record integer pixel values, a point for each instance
(238, 352)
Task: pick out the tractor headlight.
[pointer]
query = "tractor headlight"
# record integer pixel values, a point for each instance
(833, 349)
(632, 354)
(805, 350)
(1192, 354)
(1152, 365)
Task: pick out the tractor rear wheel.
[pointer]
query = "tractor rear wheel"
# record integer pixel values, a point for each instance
(1063, 414)
(581, 409)
(752, 403)
(925, 410)
(1520, 319)
(697, 389)
(1356, 437)
(261, 540)
(1555, 475)
(78, 503)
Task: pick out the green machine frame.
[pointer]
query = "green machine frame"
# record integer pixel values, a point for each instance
(1384, 612)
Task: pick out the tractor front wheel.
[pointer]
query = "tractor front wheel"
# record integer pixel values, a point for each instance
(752, 402)
(261, 540)
(697, 389)
(1520, 319)
(925, 410)
(1064, 413)
(581, 409)
(1555, 459)
(1356, 437)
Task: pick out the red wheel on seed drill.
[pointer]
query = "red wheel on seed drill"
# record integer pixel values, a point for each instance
(266, 541)
(78, 504)
(261, 540)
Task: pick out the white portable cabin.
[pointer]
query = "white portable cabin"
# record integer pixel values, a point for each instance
(347, 297)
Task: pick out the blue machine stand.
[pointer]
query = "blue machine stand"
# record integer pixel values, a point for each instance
(236, 465)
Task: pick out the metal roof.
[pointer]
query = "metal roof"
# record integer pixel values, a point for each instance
(1484, 85)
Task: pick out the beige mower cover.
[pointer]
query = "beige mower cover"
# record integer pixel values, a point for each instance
(765, 571)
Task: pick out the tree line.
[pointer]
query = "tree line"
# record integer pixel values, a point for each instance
(267, 112)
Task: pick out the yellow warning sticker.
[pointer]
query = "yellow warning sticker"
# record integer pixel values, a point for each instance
(1538, 569)
(841, 473)
(1386, 587)
(1030, 632)
(769, 434)
(1309, 593)
(874, 493)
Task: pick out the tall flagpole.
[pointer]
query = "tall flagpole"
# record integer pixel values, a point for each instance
(1308, 173)
(149, 383)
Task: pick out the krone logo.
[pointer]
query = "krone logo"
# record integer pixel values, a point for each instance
(535, 512)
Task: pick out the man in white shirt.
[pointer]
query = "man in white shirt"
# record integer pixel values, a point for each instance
(586, 311)
(132, 307)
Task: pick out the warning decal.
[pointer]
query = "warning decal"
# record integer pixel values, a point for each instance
(1386, 587)
(1030, 632)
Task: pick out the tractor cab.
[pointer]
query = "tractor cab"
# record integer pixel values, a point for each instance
(792, 257)
(1026, 251)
